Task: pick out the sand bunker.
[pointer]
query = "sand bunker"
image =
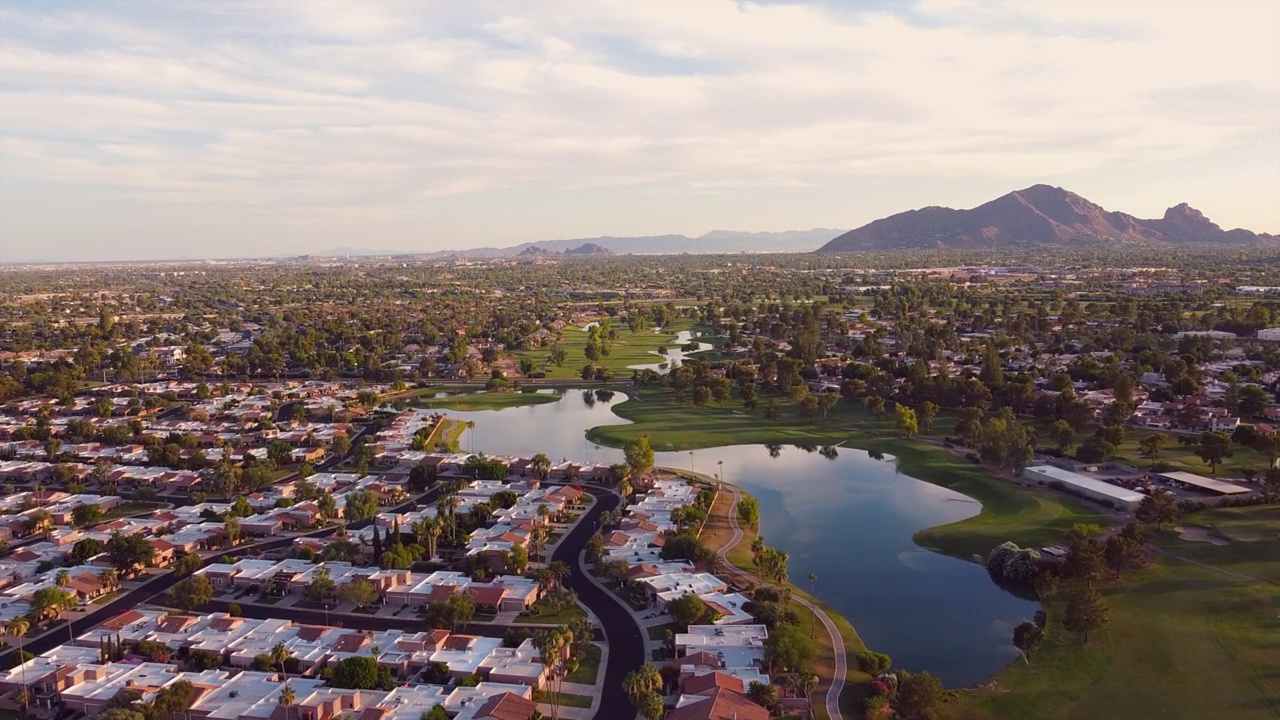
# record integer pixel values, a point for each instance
(1199, 534)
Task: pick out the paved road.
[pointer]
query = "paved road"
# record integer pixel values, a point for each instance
(837, 642)
(626, 646)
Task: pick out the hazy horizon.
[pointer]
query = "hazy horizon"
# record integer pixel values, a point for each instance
(252, 129)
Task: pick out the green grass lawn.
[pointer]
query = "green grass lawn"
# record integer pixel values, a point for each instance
(630, 349)
(574, 701)
(1175, 456)
(1184, 641)
(486, 400)
(560, 618)
(588, 668)
(659, 632)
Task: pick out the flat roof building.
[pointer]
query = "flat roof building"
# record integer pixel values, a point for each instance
(1217, 487)
(1093, 489)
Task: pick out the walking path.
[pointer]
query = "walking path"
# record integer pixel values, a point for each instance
(837, 642)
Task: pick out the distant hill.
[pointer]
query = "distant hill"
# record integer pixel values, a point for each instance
(716, 241)
(534, 251)
(1039, 215)
(589, 249)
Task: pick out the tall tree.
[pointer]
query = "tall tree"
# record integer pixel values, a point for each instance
(906, 421)
(1215, 446)
(1160, 507)
(1086, 612)
(639, 454)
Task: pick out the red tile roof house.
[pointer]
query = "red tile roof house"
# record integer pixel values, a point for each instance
(86, 586)
(488, 598)
(718, 704)
(165, 552)
(507, 706)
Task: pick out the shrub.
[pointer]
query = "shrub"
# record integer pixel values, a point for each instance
(873, 663)
(1010, 562)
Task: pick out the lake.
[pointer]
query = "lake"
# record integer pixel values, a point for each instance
(849, 519)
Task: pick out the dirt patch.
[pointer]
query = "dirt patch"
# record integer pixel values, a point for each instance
(1199, 534)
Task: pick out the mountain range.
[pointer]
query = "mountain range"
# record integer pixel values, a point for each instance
(1041, 215)
(716, 241)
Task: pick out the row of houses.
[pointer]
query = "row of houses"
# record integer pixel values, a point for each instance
(638, 542)
(75, 678)
(238, 642)
(396, 587)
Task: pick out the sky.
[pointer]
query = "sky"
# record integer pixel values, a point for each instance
(155, 130)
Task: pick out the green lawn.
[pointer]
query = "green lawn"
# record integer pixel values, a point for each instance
(574, 701)
(659, 632)
(588, 668)
(1184, 641)
(1175, 456)
(486, 400)
(630, 349)
(545, 618)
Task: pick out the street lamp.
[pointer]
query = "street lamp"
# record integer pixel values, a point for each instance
(690, 461)
(720, 473)
(813, 626)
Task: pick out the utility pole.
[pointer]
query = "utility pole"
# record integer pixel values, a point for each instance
(813, 626)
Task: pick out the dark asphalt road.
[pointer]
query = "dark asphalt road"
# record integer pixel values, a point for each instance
(626, 646)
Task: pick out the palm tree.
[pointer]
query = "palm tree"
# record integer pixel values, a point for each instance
(63, 578)
(279, 656)
(287, 698)
(110, 578)
(426, 532)
(639, 682)
(558, 571)
(18, 628)
(536, 536)
(810, 684)
(446, 507)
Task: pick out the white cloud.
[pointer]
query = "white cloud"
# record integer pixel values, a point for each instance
(286, 107)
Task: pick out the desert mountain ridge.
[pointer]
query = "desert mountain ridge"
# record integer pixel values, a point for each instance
(536, 251)
(716, 241)
(1041, 215)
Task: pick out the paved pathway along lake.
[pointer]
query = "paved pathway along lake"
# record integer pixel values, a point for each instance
(848, 518)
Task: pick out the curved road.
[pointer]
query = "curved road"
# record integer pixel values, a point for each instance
(626, 647)
(837, 642)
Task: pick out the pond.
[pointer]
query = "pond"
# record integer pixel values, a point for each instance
(843, 515)
(674, 355)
